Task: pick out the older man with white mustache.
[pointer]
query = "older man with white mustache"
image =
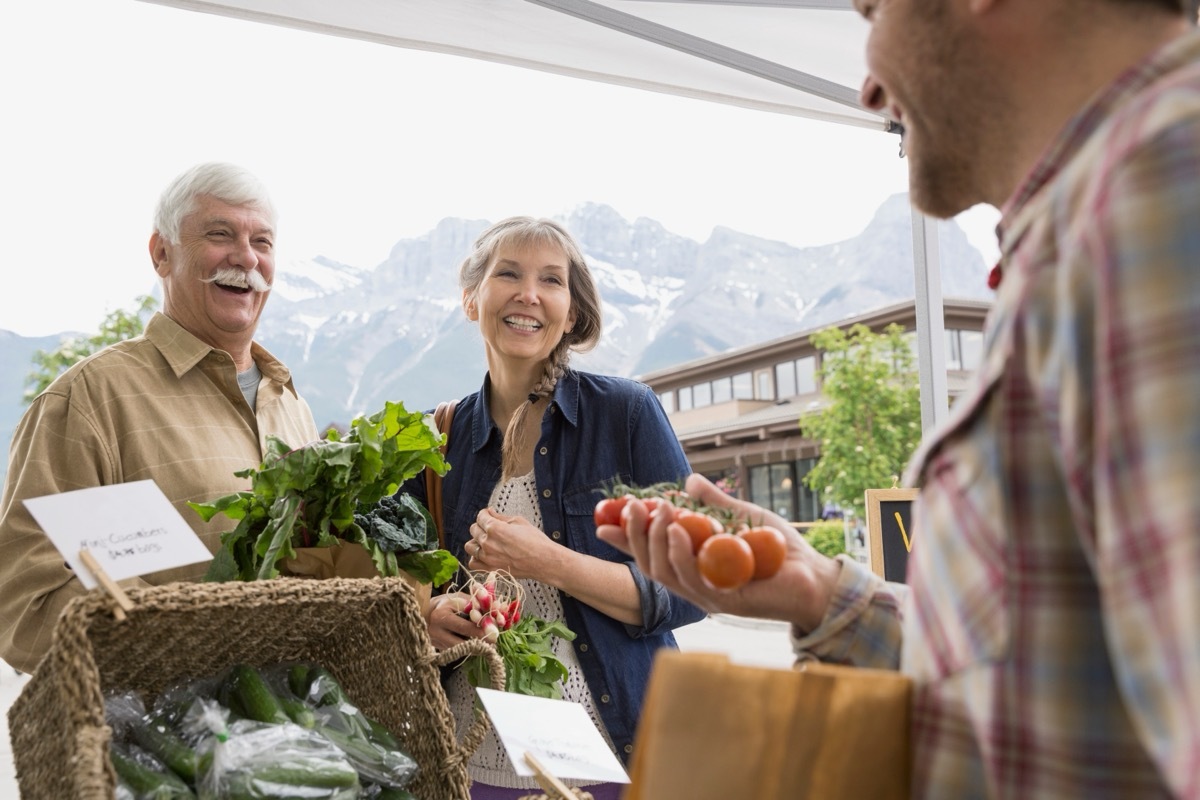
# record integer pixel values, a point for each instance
(187, 404)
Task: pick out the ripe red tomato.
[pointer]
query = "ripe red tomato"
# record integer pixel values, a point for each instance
(700, 527)
(608, 510)
(769, 547)
(652, 503)
(726, 561)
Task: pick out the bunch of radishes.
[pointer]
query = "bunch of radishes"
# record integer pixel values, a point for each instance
(492, 600)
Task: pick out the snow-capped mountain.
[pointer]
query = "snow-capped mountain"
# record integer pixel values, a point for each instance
(355, 337)
(398, 331)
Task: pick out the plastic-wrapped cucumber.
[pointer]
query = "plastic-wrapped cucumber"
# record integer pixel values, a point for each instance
(145, 777)
(261, 760)
(247, 694)
(155, 736)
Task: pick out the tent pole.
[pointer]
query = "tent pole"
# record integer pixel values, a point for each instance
(931, 325)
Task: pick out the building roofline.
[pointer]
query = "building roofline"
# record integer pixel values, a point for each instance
(878, 317)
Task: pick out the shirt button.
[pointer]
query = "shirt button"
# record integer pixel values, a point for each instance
(628, 748)
(546, 492)
(583, 647)
(556, 535)
(543, 451)
(603, 698)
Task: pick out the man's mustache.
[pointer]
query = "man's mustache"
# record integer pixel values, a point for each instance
(240, 279)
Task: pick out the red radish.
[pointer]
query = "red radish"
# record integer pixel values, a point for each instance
(492, 601)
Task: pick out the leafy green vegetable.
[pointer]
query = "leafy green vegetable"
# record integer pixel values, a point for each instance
(530, 665)
(407, 539)
(314, 495)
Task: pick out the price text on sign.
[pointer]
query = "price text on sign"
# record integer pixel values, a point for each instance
(130, 529)
(889, 531)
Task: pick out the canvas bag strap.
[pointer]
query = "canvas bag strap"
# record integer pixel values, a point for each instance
(442, 417)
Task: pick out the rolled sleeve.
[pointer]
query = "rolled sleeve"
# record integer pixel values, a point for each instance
(662, 611)
(862, 627)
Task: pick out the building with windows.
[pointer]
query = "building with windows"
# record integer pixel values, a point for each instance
(740, 415)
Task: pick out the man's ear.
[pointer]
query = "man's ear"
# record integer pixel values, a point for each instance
(160, 254)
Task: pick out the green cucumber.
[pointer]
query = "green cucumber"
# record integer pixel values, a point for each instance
(298, 711)
(277, 780)
(381, 735)
(298, 679)
(392, 767)
(147, 782)
(252, 697)
(328, 692)
(154, 736)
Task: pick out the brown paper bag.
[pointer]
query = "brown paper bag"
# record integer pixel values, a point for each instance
(344, 560)
(713, 730)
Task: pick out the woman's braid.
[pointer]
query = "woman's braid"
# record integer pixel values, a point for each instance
(552, 370)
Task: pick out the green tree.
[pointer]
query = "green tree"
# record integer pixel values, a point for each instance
(117, 326)
(872, 422)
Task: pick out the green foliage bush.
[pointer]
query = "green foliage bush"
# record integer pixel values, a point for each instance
(828, 538)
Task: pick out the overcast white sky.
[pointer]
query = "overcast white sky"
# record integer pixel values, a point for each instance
(105, 101)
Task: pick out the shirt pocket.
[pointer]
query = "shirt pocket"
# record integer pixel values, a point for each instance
(961, 557)
(579, 506)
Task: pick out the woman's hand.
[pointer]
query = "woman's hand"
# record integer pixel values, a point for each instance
(510, 543)
(799, 593)
(446, 627)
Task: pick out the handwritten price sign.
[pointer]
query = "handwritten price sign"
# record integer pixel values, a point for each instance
(129, 529)
(889, 531)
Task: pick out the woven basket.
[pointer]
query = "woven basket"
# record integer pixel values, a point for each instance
(368, 632)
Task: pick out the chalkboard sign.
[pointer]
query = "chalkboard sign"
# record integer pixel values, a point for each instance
(889, 531)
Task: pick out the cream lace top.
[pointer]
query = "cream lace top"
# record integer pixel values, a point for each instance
(489, 764)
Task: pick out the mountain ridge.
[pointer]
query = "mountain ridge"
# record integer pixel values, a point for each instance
(354, 337)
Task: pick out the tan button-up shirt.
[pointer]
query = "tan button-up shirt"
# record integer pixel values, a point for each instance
(164, 406)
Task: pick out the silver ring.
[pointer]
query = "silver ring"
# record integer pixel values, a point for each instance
(479, 550)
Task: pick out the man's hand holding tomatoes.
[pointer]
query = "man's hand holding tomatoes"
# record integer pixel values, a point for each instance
(799, 592)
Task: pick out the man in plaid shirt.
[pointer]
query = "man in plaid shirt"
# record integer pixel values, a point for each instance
(1051, 618)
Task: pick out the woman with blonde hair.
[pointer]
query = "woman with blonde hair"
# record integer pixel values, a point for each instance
(530, 455)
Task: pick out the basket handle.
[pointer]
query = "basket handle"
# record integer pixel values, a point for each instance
(474, 647)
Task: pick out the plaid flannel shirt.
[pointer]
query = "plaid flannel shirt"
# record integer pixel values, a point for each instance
(1051, 621)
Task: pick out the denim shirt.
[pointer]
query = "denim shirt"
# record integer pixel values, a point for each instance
(596, 429)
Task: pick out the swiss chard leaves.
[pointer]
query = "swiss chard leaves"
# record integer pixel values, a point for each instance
(337, 488)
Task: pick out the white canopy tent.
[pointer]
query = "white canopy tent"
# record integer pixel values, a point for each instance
(800, 57)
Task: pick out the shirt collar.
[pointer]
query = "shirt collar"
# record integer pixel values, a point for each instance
(1071, 139)
(183, 351)
(565, 399)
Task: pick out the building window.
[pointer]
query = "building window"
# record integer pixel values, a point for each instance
(773, 486)
(722, 390)
(668, 401)
(953, 351)
(971, 346)
(743, 386)
(702, 395)
(765, 389)
(808, 506)
(806, 375)
(685, 398)
(785, 380)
